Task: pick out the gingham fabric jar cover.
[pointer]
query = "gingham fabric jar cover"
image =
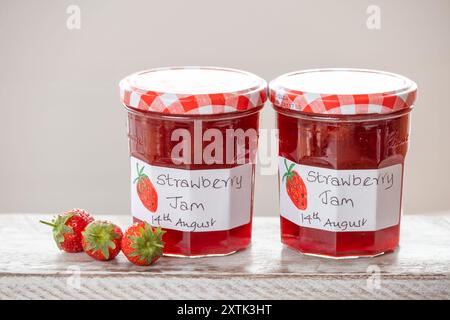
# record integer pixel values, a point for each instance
(342, 91)
(193, 90)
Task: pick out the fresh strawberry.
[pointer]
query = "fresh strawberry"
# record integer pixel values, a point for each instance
(145, 190)
(101, 240)
(67, 228)
(295, 187)
(142, 244)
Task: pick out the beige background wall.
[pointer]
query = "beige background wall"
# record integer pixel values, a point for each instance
(62, 133)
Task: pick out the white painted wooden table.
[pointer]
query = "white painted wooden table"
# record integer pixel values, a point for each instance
(31, 267)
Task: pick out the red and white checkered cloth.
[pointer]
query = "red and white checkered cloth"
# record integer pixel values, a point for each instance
(348, 104)
(208, 103)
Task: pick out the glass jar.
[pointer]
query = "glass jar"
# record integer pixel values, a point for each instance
(343, 138)
(193, 138)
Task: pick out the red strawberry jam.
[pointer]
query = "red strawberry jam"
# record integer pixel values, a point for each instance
(345, 135)
(192, 170)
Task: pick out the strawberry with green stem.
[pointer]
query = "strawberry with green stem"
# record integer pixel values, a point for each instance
(295, 187)
(102, 240)
(142, 244)
(67, 229)
(145, 190)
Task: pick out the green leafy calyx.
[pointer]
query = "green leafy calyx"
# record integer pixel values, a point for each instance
(289, 172)
(140, 175)
(59, 227)
(100, 236)
(148, 244)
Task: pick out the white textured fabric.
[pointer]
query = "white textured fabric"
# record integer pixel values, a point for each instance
(236, 287)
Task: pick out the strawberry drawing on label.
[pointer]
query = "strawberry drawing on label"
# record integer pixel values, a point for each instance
(145, 190)
(295, 187)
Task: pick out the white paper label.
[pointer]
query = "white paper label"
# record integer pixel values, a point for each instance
(340, 200)
(191, 200)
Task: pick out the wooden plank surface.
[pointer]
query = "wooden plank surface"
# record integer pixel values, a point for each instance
(31, 267)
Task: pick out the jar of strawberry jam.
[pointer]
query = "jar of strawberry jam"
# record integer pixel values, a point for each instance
(193, 137)
(343, 137)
